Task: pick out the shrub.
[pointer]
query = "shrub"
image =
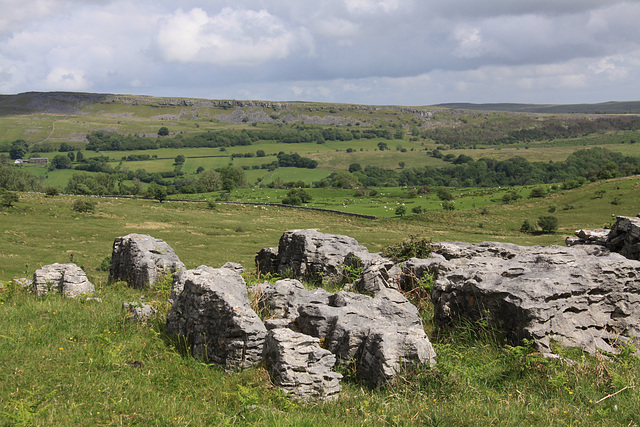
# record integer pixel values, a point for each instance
(83, 205)
(526, 227)
(537, 193)
(417, 210)
(401, 211)
(8, 199)
(444, 194)
(448, 205)
(415, 247)
(51, 192)
(548, 224)
(296, 197)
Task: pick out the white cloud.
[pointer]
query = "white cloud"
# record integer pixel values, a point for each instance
(372, 6)
(68, 79)
(232, 37)
(367, 51)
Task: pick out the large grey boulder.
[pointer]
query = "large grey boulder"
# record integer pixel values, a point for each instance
(382, 333)
(625, 237)
(142, 260)
(180, 277)
(310, 254)
(581, 296)
(298, 365)
(68, 279)
(214, 316)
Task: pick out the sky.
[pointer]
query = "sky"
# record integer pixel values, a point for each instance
(383, 52)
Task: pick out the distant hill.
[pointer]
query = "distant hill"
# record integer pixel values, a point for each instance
(629, 107)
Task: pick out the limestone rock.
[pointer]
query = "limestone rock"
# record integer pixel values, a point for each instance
(267, 261)
(312, 255)
(581, 296)
(625, 237)
(234, 266)
(214, 316)
(68, 279)
(382, 333)
(140, 312)
(597, 236)
(141, 260)
(298, 364)
(180, 277)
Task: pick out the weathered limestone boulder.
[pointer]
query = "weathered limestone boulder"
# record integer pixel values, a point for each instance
(379, 275)
(625, 237)
(597, 236)
(280, 302)
(298, 365)
(180, 277)
(267, 261)
(234, 266)
(141, 260)
(310, 254)
(140, 312)
(214, 316)
(581, 296)
(382, 333)
(68, 279)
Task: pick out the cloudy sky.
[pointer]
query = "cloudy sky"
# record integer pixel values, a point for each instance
(402, 52)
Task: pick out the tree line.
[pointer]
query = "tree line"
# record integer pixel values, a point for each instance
(590, 164)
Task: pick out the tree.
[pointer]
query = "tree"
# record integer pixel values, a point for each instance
(79, 157)
(8, 199)
(199, 170)
(158, 192)
(355, 167)
(232, 177)
(163, 131)
(18, 149)
(179, 160)
(260, 153)
(382, 146)
(210, 180)
(401, 211)
(65, 147)
(60, 161)
(402, 165)
(71, 155)
(296, 197)
(548, 224)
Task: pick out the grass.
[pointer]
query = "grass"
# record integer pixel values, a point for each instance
(78, 362)
(68, 361)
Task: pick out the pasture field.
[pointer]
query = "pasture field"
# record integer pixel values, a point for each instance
(78, 362)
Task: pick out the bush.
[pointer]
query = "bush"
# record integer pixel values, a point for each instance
(51, 192)
(296, 197)
(526, 227)
(8, 199)
(414, 247)
(401, 211)
(83, 205)
(548, 224)
(537, 193)
(448, 205)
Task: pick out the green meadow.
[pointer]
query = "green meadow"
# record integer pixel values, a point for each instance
(75, 362)
(71, 361)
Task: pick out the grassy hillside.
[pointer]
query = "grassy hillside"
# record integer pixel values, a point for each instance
(70, 362)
